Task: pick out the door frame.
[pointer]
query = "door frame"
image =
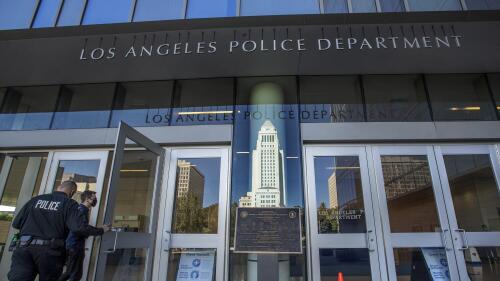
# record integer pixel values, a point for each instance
(113, 240)
(393, 241)
(370, 240)
(168, 240)
(461, 239)
(48, 185)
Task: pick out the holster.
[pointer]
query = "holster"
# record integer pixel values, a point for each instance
(24, 241)
(57, 244)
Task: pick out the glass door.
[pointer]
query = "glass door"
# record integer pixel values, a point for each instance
(343, 236)
(126, 253)
(414, 218)
(193, 237)
(470, 176)
(21, 176)
(87, 169)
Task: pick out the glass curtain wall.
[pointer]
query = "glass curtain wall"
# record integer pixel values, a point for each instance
(278, 7)
(266, 169)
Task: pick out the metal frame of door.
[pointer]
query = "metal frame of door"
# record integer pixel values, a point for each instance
(48, 186)
(462, 240)
(113, 240)
(440, 239)
(171, 240)
(370, 240)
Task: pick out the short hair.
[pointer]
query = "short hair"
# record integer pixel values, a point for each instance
(86, 195)
(69, 185)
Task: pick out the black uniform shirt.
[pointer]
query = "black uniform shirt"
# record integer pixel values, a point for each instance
(52, 216)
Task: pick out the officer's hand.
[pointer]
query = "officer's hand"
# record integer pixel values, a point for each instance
(106, 227)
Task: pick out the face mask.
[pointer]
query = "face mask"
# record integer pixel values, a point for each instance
(94, 202)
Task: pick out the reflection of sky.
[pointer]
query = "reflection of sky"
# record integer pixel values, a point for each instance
(82, 167)
(210, 168)
(286, 120)
(346, 178)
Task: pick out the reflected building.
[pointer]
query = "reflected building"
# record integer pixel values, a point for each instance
(268, 185)
(83, 182)
(404, 175)
(190, 182)
(332, 190)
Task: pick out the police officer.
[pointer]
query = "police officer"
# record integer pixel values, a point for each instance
(75, 244)
(44, 223)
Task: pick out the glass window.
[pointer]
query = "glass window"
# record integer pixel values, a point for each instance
(363, 6)
(205, 261)
(197, 195)
(211, 9)
(351, 264)
(392, 5)
(326, 99)
(414, 263)
(83, 172)
(267, 171)
(474, 192)
(84, 106)
(460, 97)
(71, 12)
(203, 102)
(335, 6)
(396, 98)
(149, 10)
(134, 197)
(28, 108)
(339, 195)
(107, 11)
(483, 4)
(410, 196)
(278, 7)
(483, 263)
(24, 176)
(494, 80)
(142, 104)
(47, 13)
(434, 5)
(16, 14)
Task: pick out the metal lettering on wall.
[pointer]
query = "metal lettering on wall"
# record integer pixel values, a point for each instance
(272, 45)
(258, 51)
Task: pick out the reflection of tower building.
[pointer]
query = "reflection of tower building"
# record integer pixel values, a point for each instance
(190, 181)
(404, 175)
(267, 171)
(332, 190)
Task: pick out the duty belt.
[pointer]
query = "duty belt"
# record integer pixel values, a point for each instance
(40, 242)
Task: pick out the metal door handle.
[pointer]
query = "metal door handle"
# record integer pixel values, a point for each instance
(114, 244)
(368, 240)
(464, 238)
(445, 241)
(166, 241)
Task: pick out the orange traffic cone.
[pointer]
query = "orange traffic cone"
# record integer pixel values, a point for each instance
(340, 277)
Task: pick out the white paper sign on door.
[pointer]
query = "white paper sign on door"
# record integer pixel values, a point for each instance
(437, 263)
(196, 266)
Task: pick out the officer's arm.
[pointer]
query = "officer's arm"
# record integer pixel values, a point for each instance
(21, 216)
(77, 223)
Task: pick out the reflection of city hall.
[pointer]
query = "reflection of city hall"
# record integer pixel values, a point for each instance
(390, 150)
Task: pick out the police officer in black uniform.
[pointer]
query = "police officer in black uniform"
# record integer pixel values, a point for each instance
(44, 223)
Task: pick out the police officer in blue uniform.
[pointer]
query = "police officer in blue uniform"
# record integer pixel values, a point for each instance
(44, 223)
(75, 244)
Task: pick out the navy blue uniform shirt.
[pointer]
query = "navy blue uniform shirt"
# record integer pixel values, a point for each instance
(75, 241)
(53, 216)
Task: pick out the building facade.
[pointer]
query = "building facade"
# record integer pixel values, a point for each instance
(378, 119)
